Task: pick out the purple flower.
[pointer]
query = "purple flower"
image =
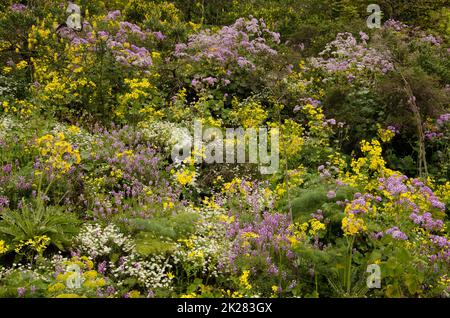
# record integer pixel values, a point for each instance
(363, 36)
(21, 291)
(102, 267)
(210, 80)
(396, 233)
(113, 15)
(18, 7)
(7, 168)
(331, 194)
(159, 36)
(377, 235)
(4, 202)
(443, 119)
(103, 34)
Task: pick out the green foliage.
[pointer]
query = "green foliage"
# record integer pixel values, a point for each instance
(18, 226)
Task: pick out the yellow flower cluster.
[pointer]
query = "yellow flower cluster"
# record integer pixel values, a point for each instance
(249, 235)
(291, 137)
(301, 231)
(385, 135)
(139, 91)
(236, 185)
(3, 247)
(243, 280)
(249, 114)
(37, 243)
(134, 294)
(352, 225)
(229, 294)
(296, 179)
(139, 88)
(74, 130)
(89, 279)
(126, 153)
(185, 177)
(19, 66)
(59, 154)
(21, 107)
(443, 192)
(84, 262)
(373, 151)
(191, 295)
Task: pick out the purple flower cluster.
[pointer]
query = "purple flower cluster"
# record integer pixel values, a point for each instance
(396, 233)
(18, 7)
(361, 204)
(444, 118)
(127, 28)
(267, 238)
(135, 56)
(431, 39)
(238, 45)
(4, 202)
(395, 25)
(426, 221)
(345, 54)
(140, 165)
(431, 135)
(113, 15)
(439, 130)
(327, 170)
(441, 248)
(121, 43)
(394, 184)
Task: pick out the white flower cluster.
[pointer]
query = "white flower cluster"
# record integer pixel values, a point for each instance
(25, 270)
(95, 240)
(204, 251)
(166, 135)
(79, 137)
(7, 124)
(151, 274)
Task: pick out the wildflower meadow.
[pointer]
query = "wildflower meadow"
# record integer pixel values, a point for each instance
(224, 149)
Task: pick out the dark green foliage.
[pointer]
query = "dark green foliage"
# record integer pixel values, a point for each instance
(27, 223)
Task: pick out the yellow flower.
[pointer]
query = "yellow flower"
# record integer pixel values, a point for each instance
(69, 296)
(56, 287)
(235, 294)
(185, 177)
(7, 69)
(315, 226)
(386, 135)
(351, 225)
(3, 247)
(243, 280)
(250, 235)
(59, 155)
(90, 274)
(21, 65)
(100, 282)
(90, 284)
(74, 130)
(191, 295)
(134, 294)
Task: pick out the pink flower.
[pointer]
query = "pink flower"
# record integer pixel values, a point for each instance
(331, 194)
